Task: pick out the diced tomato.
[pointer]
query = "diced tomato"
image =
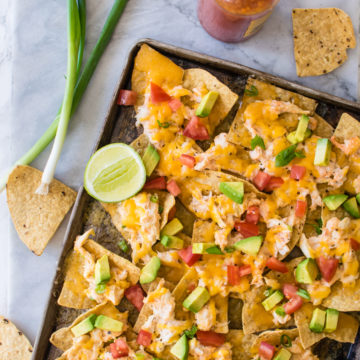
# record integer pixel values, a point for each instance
(246, 229)
(127, 97)
(261, 180)
(274, 183)
(252, 214)
(196, 130)
(234, 273)
(187, 160)
(210, 338)
(172, 213)
(135, 295)
(157, 94)
(297, 172)
(274, 264)
(188, 257)
(355, 245)
(119, 349)
(327, 267)
(300, 208)
(266, 351)
(144, 338)
(174, 104)
(173, 188)
(290, 290)
(293, 304)
(158, 183)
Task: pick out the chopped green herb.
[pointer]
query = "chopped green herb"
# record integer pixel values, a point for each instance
(123, 246)
(164, 125)
(318, 226)
(154, 198)
(257, 141)
(214, 250)
(280, 311)
(161, 209)
(252, 91)
(300, 154)
(229, 249)
(285, 156)
(123, 226)
(100, 288)
(285, 340)
(268, 292)
(192, 332)
(303, 293)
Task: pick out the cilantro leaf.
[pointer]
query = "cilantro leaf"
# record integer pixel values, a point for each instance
(192, 332)
(257, 141)
(285, 156)
(252, 91)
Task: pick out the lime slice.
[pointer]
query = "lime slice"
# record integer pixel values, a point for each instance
(114, 173)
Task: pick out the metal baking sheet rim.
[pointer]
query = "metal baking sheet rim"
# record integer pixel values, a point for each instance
(47, 326)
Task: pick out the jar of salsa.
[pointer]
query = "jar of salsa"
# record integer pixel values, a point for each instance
(234, 20)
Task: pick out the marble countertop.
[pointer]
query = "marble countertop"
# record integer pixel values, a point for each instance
(32, 68)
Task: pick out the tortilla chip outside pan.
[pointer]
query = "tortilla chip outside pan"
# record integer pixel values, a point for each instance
(13, 343)
(63, 338)
(73, 292)
(36, 217)
(321, 38)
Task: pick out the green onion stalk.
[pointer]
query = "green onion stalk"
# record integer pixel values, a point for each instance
(82, 83)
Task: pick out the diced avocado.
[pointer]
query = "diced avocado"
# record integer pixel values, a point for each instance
(197, 299)
(306, 272)
(200, 248)
(323, 152)
(352, 208)
(181, 348)
(206, 104)
(140, 356)
(150, 159)
(301, 128)
(107, 323)
(358, 198)
(283, 354)
(102, 270)
(292, 136)
(332, 202)
(317, 322)
(250, 245)
(172, 227)
(149, 271)
(84, 326)
(331, 320)
(172, 241)
(233, 190)
(272, 300)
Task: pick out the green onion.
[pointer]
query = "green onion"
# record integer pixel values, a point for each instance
(192, 332)
(285, 156)
(123, 246)
(164, 125)
(100, 288)
(252, 91)
(280, 311)
(154, 198)
(268, 292)
(74, 35)
(304, 294)
(257, 141)
(83, 81)
(285, 340)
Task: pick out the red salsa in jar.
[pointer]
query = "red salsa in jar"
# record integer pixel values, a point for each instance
(234, 20)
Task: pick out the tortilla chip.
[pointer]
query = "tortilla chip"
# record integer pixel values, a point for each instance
(196, 78)
(36, 217)
(241, 344)
(140, 144)
(347, 128)
(221, 305)
(204, 231)
(186, 217)
(75, 285)
(63, 338)
(238, 133)
(321, 38)
(346, 330)
(13, 343)
(344, 298)
(150, 65)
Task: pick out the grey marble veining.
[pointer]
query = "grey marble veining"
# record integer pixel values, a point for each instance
(39, 62)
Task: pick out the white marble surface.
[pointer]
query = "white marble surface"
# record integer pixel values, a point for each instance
(39, 60)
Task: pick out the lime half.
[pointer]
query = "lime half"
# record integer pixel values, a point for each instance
(114, 173)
